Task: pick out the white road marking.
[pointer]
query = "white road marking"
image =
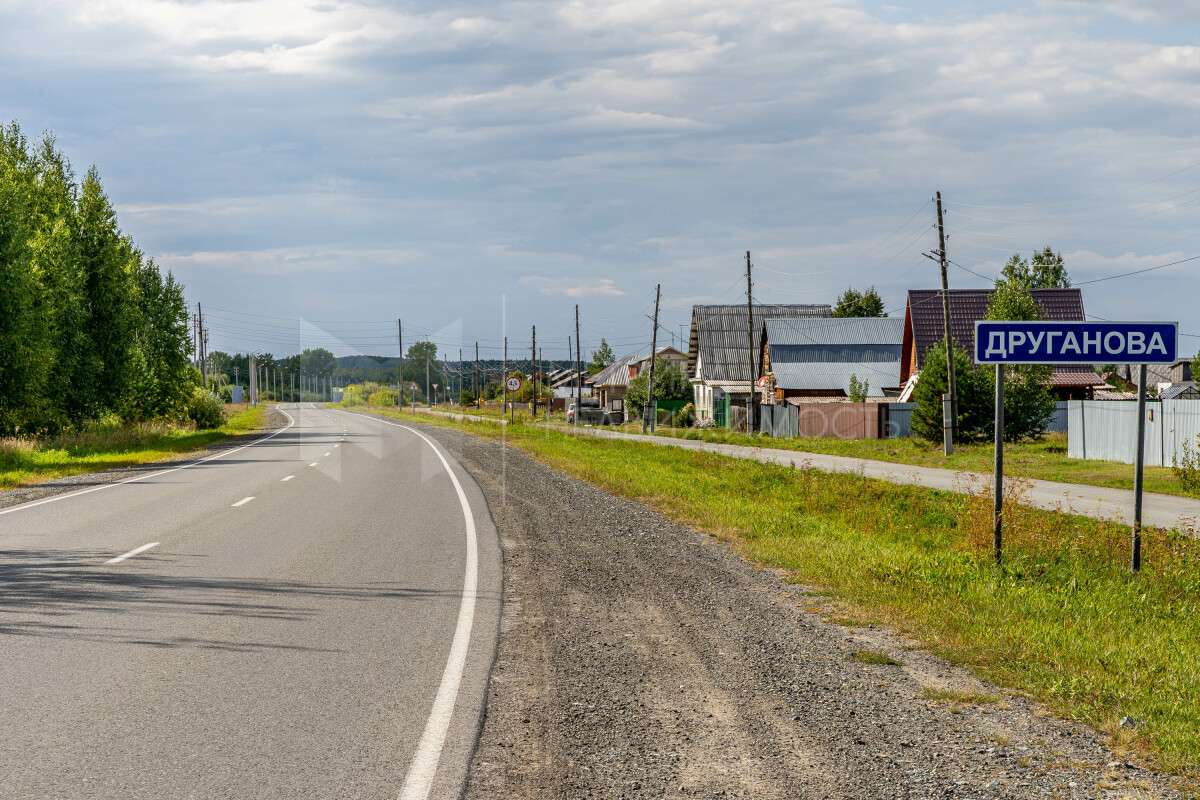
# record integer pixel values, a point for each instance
(288, 478)
(313, 464)
(325, 455)
(242, 502)
(337, 445)
(132, 552)
(419, 781)
(222, 454)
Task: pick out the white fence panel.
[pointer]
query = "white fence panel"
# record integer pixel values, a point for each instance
(1107, 430)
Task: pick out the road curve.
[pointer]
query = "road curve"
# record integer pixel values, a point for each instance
(313, 615)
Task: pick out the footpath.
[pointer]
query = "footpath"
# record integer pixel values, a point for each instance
(1158, 510)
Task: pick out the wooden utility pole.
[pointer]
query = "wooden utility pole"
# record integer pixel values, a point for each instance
(952, 427)
(200, 352)
(400, 375)
(578, 369)
(649, 410)
(445, 380)
(427, 375)
(750, 332)
(475, 377)
(460, 375)
(504, 379)
(533, 373)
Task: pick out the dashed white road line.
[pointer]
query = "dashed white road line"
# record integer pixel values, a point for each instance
(242, 502)
(131, 553)
(313, 464)
(325, 455)
(288, 478)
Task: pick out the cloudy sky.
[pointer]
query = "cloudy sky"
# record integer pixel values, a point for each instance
(475, 168)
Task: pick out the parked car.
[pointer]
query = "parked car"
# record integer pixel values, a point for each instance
(586, 404)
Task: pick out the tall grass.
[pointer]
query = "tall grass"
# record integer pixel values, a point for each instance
(110, 444)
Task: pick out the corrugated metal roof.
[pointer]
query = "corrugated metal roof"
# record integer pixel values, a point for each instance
(616, 373)
(928, 326)
(1179, 391)
(826, 375)
(720, 337)
(846, 330)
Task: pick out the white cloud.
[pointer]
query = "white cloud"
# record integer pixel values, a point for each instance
(572, 287)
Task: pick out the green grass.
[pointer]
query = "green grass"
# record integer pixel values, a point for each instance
(1063, 622)
(874, 657)
(958, 696)
(1043, 460)
(110, 445)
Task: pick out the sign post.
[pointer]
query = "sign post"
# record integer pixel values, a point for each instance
(513, 385)
(1013, 342)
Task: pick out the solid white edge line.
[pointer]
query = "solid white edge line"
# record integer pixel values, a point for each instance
(132, 552)
(419, 781)
(242, 502)
(222, 454)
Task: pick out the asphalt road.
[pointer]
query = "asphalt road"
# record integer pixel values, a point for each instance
(317, 617)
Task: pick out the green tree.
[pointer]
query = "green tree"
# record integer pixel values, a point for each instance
(854, 303)
(601, 358)
(1028, 403)
(1045, 270)
(975, 396)
(1196, 368)
(669, 384)
(858, 390)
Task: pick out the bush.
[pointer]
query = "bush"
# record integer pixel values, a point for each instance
(383, 398)
(1187, 468)
(205, 410)
(466, 398)
(685, 417)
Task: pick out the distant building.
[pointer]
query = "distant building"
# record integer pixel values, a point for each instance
(811, 358)
(611, 384)
(925, 327)
(718, 359)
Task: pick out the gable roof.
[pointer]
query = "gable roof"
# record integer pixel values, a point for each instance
(720, 337)
(924, 325)
(615, 374)
(823, 354)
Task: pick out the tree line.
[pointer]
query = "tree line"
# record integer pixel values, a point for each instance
(89, 326)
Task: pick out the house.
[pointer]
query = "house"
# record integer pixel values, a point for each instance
(812, 358)
(612, 383)
(718, 359)
(925, 327)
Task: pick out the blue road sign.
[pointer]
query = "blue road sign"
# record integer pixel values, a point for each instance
(1075, 342)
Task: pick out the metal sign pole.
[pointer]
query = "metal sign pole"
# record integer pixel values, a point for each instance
(998, 501)
(1136, 560)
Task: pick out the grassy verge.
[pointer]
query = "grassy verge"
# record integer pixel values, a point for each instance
(1064, 622)
(110, 446)
(1044, 460)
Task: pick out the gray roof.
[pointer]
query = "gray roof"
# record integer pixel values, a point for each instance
(844, 331)
(797, 375)
(616, 373)
(824, 353)
(720, 337)
(1179, 391)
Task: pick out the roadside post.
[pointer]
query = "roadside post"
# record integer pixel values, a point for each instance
(414, 391)
(949, 423)
(1011, 342)
(512, 385)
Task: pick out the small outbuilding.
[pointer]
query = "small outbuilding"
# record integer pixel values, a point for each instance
(819, 358)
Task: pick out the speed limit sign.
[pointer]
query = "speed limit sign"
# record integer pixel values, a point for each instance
(513, 384)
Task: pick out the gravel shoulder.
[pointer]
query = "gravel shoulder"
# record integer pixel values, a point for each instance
(38, 491)
(639, 658)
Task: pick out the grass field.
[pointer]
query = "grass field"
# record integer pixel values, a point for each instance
(1044, 460)
(110, 445)
(1063, 622)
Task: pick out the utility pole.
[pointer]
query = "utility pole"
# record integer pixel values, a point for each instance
(426, 375)
(535, 388)
(200, 335)
(952, 427)
(504, 378)
(533, 374)
(475, 377)
(750, 331)
(400, 376)
(578, 370)
(460, 375)
(650, 409)
(253, 381)
(445, 380)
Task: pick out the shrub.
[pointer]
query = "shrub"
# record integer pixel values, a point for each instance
(686, 416)
(1187, 468)
(205, 410)
(466, 398)
(382, 398)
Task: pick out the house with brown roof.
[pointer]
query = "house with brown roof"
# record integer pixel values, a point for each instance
(925, 326)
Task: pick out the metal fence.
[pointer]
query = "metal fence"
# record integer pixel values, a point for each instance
(1107, 430)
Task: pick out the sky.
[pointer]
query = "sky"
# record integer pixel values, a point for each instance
(314, 171)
